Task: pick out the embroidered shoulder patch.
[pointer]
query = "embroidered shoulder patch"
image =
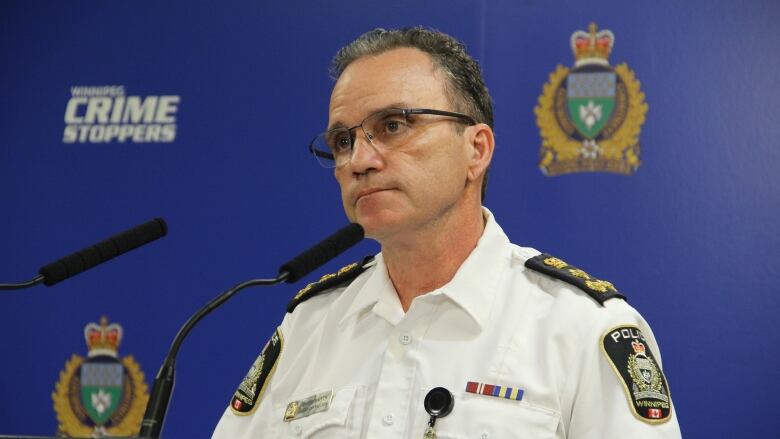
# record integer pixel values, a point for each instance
(643, 380)
(328, 282)
(598, 289)
(250, 391)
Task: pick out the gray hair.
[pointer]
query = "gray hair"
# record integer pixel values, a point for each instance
(465, 87)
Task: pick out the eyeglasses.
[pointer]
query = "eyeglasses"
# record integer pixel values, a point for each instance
(386, 130)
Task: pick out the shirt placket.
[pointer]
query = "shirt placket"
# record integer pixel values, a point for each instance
(395, 389)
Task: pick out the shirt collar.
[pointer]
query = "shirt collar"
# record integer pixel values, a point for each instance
(473, 287)
(377, 288)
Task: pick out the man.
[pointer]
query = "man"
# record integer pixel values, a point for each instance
(523, 344)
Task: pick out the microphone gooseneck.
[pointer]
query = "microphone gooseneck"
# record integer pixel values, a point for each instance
(300, 266)
(22, 285)
(159, 399)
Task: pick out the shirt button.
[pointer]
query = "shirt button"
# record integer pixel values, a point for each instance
(404, 339)
(298, 429)
(483, 436)
(388, 419)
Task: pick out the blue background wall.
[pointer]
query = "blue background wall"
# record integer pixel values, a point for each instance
(692, 238)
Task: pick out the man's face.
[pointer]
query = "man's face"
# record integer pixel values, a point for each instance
(418, 183)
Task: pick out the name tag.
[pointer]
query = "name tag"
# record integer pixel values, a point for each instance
(308, 406)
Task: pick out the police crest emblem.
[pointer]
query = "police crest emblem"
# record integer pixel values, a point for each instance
(645, 375)
(644, 382)
(590, 116)
(101, 395)
(250, 392)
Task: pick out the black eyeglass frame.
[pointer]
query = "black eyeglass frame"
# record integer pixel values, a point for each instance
(404, 111)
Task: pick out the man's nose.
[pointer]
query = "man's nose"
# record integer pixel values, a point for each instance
(365, 156)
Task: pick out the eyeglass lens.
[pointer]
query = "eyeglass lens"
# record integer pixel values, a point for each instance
(385, 129)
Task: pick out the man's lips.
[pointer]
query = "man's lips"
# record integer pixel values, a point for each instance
(368, 191)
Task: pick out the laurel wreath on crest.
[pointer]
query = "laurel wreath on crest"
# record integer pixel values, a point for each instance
(622, 145)
(634, 370)
(65, 397)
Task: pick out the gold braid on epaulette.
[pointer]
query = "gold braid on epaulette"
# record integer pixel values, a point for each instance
(598, 289)
(328, 282)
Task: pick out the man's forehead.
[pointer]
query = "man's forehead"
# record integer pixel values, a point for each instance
(400, 78)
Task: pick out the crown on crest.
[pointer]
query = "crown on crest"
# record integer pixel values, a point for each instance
(592, 47)
(103, 339)
(639, 348)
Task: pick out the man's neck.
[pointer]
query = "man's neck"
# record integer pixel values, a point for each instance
(428, 260)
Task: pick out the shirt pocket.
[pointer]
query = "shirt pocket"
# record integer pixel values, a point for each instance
(485, 417)
(343, 419)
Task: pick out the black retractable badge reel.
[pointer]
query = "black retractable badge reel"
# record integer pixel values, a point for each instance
(438, 404)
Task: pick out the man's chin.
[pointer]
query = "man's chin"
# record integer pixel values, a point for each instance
(371, 229)
(377, 226)
(385, 233)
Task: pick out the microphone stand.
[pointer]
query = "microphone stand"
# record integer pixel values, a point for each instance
(162, 389)
(301, 265)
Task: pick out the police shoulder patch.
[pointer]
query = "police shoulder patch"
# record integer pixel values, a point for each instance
(643, 380)
(329, 281)
(600, 290)
(250, 391)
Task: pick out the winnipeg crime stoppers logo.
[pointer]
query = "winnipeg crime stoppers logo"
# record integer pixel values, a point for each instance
(100, 395)
(590, 116)
(106, 114)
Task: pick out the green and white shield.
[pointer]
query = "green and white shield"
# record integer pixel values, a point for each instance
(101, 389)
(591, 98)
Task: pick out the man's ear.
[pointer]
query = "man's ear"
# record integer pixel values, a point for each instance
(482, 144)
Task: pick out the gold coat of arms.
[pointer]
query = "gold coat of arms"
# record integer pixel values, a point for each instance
(590, 116)
(101, 395)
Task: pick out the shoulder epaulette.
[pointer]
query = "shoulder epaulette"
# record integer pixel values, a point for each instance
(600, 290)
(328, 282)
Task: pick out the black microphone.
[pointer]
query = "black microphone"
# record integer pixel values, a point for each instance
(299, 266)
(323, 252)
(92, 256)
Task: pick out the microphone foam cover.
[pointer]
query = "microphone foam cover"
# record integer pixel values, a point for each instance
(323, 252)
(89, 257)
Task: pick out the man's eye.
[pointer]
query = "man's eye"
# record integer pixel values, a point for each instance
(394, 126)
(341, 142)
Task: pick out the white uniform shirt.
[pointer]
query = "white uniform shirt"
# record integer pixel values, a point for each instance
(496, 322)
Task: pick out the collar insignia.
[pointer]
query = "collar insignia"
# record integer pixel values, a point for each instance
(598, 289)
(328, 282)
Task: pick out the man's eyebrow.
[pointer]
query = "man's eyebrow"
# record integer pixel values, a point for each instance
(340, 124)
(335, 125)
